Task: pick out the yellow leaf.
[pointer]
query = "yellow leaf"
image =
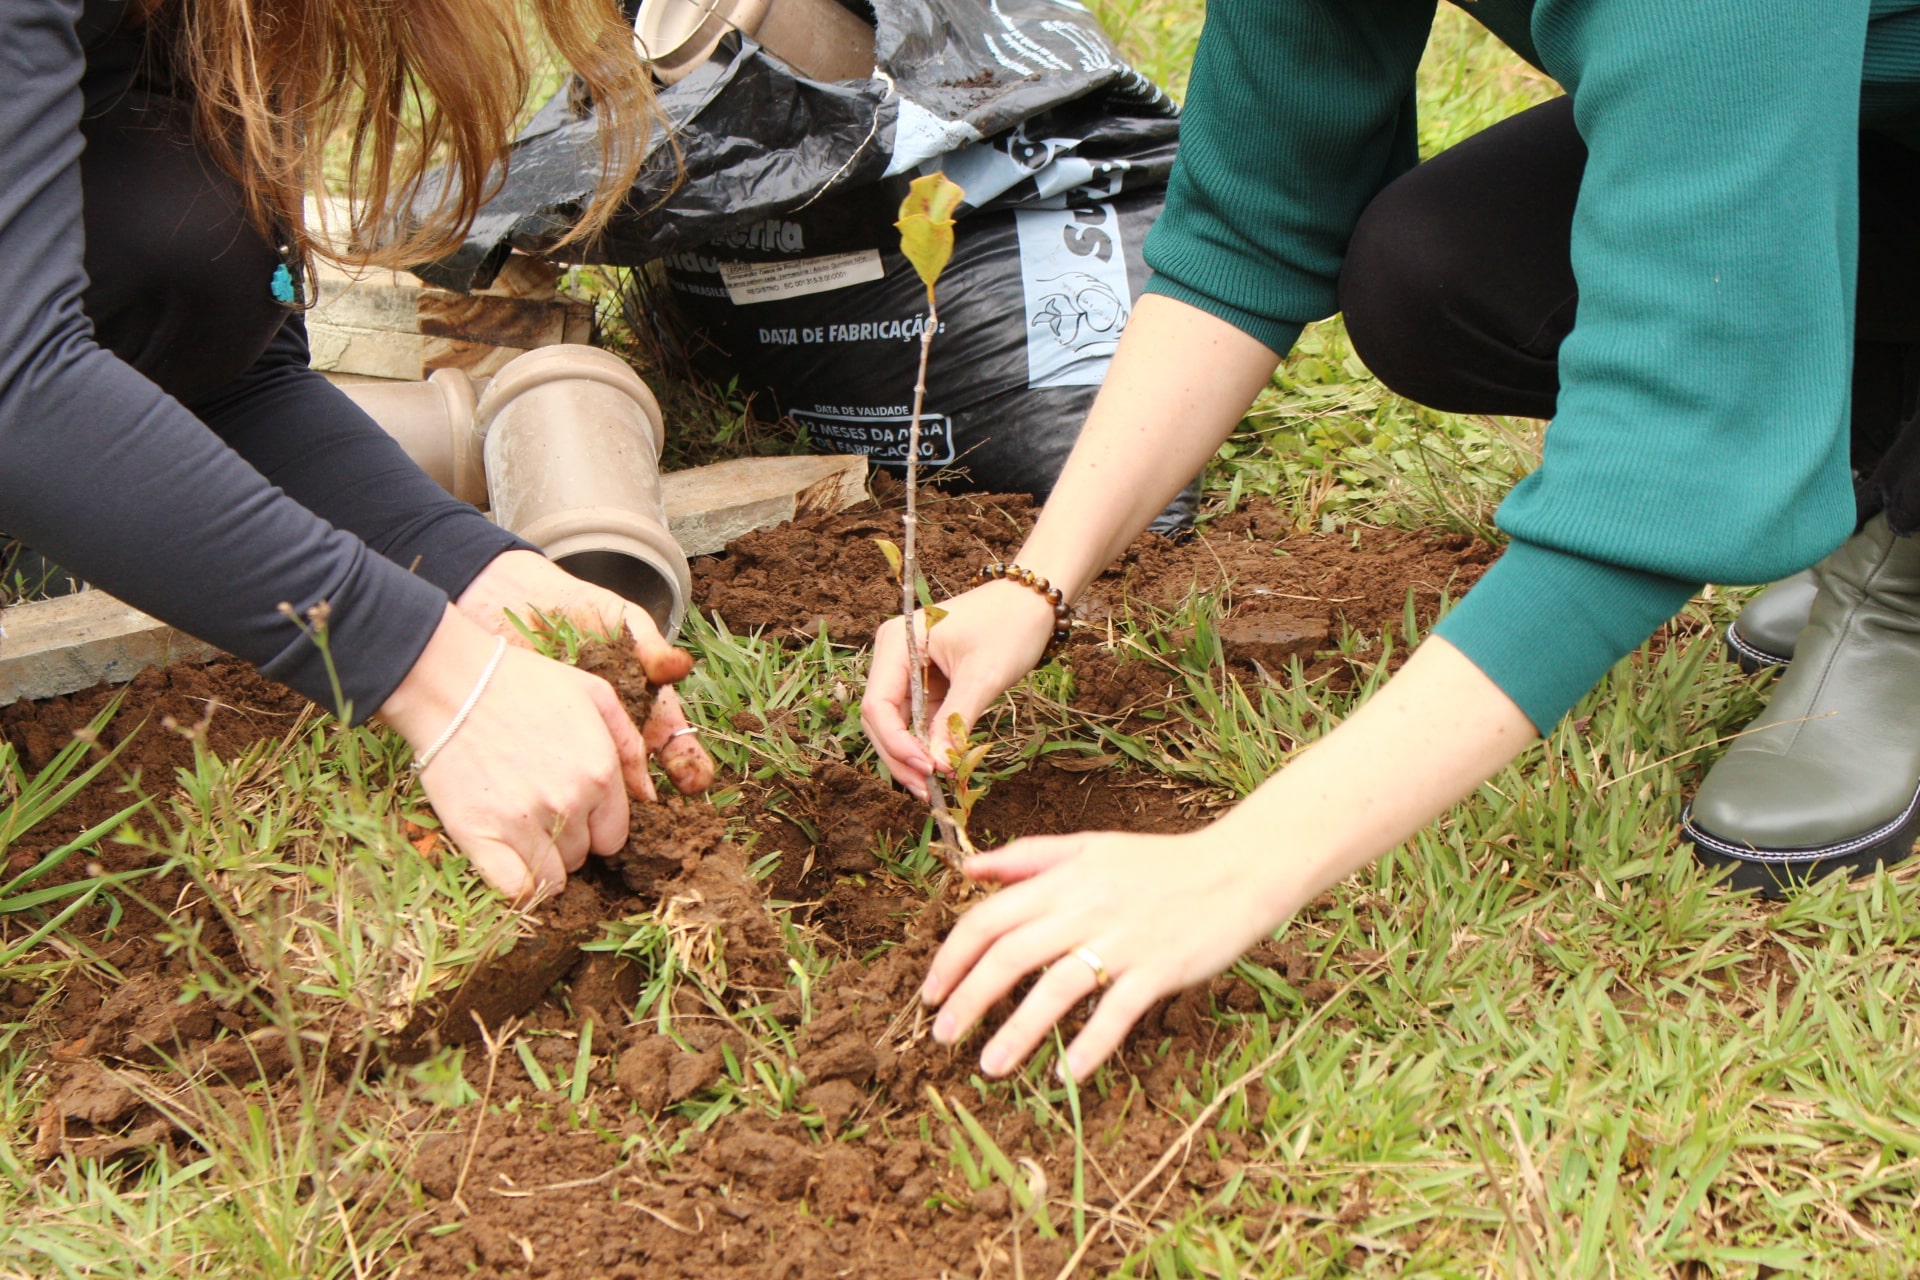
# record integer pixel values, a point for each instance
(934, 613)
(894, 559)
(926, 225)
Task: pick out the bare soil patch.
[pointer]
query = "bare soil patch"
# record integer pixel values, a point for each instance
(860, 1179)
(1282, 590)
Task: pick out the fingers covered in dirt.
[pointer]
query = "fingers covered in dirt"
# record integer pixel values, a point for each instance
(526, 585)
(1158, 913)
(676, 745)
(522, 584)
(989, 639)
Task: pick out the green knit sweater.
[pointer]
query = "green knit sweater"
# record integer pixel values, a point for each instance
(1702, 433)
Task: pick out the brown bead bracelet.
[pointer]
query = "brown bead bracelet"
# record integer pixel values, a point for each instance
(1062, 611)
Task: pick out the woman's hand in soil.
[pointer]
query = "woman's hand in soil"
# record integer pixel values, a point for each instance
(1161, 913)
(990, 638)
(522, 584)
(1164, 912)
(538, 774)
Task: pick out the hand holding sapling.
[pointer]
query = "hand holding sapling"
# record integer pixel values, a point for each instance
(990, 638)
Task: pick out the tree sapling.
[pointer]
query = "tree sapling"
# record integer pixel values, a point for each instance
(926, 238)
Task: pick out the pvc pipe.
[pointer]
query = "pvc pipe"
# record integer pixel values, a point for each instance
(433, 421)
(817, 38)
(572, 459)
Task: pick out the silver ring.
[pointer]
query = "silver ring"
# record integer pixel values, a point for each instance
(681, 733)
(1100, 976)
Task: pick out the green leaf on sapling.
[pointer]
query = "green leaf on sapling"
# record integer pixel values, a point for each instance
(926, 225)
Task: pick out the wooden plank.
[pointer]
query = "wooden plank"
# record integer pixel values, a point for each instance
(387, 324)
(59, 646)
(708, 507)
(497, 321)
(405, 357)
(74, 642)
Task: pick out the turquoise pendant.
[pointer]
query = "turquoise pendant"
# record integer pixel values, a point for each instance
(282, 286)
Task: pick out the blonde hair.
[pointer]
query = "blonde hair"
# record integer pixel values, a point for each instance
(404, 85)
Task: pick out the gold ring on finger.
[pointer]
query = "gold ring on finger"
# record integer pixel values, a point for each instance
(1100, 975)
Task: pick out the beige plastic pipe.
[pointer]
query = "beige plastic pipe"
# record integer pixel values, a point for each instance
(818, 38)
(572, 441)
(433, 421)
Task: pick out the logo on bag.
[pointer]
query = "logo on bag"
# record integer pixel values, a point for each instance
(1082, 313)
(774, 235)
(1073, 269)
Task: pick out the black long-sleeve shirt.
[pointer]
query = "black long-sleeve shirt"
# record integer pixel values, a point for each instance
(160, 433)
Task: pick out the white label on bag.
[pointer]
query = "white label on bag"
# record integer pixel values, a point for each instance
(771, 281)
(1073, 268)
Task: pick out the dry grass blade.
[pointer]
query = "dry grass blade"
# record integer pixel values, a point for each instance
(494, 1044)
(1179, 1146)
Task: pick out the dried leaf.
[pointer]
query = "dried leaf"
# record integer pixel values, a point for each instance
(926, 225)
(933, 614)
(894, 560)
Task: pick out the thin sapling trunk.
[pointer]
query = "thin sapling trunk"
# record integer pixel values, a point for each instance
(926, 238)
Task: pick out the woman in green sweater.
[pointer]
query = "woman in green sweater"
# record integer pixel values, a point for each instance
(1668, 263)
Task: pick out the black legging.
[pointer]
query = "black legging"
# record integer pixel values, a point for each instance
(1459, 287)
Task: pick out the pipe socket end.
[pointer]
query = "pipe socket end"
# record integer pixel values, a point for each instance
(630, 557)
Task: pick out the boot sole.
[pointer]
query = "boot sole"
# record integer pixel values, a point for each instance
(1750, 657)
(1775, 872)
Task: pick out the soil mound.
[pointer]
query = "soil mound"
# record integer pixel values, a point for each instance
(1285, 589)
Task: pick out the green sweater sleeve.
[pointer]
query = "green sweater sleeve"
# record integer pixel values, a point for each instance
(1702, 427)
(1702, 431)
(1297, 113)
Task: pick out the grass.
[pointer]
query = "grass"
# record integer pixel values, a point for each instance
(1552, 1045)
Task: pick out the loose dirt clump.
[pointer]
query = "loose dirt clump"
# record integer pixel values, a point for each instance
(617, 664)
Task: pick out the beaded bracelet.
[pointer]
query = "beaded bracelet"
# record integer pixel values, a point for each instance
(1062, 611)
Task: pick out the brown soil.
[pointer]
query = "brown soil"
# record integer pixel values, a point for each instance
(861, 1180)
(1282, 591)
(226, 704)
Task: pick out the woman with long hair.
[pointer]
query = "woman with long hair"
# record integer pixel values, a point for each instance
(162, 436)
(1726, 193)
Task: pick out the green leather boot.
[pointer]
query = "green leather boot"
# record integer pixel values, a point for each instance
(1763, 635)
(1828, 778)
